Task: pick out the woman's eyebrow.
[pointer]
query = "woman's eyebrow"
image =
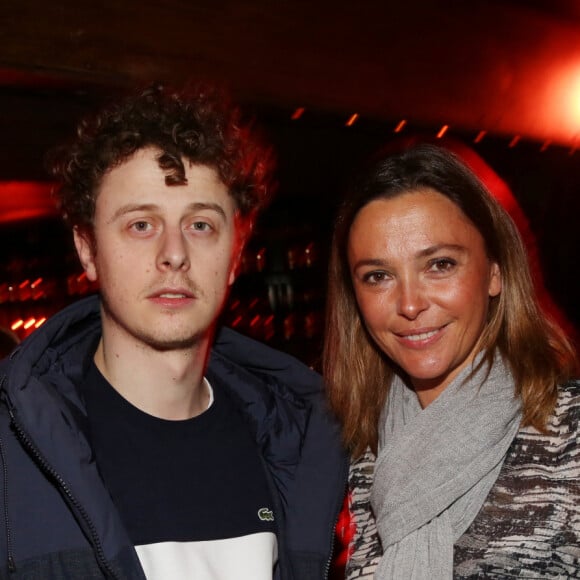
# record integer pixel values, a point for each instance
(439, 248)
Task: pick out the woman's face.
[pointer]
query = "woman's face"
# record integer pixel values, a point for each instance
(423, 281)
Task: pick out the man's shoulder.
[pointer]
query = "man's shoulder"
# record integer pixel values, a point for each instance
(232, 342)
(259, 359)
(250, 353)
(64, 342)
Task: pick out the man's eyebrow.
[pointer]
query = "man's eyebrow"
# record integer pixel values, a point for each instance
(147, 207)
(209, 205)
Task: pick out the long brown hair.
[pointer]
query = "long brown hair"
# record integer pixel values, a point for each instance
(358, 373)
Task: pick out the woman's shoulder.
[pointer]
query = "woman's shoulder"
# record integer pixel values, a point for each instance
(570, 391)
(562, 429)
(567, 410)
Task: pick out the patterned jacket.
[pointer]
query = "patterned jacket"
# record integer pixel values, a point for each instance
(529, 525)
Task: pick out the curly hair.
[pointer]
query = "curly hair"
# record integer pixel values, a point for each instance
(196, 123)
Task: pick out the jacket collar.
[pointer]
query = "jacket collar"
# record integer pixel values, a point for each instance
(257, 376)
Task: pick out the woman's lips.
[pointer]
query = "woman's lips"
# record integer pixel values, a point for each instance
(420, 337)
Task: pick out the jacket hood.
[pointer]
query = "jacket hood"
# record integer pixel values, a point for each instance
(59, 352)
(70, 334)
(73, 334)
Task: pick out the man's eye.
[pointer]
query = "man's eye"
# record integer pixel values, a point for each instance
(201, 226)
(141, 226)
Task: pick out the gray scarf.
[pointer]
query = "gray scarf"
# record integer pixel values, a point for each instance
(436, 466)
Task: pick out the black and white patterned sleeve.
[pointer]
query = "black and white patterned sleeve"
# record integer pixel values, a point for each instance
(365, 548)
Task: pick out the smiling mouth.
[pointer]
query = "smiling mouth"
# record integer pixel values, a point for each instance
(173, 295)
(421, 335)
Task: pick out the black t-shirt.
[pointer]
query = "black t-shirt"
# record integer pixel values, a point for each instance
(191, 481)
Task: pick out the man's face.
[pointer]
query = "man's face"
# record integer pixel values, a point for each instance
(164, 255)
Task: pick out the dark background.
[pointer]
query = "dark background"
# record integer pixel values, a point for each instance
(510, 68)
(317, 155)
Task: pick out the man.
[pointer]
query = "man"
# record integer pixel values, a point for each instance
(137, 440)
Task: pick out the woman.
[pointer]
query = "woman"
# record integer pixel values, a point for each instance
(440, 362)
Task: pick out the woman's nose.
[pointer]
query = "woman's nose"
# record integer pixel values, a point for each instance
(411, 300)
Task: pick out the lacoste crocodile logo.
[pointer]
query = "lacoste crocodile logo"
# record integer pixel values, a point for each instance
(266, 515)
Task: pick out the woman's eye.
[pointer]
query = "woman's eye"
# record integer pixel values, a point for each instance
(374, 277)
(442, 265)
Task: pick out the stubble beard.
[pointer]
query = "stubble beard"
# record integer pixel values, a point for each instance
(149, 339)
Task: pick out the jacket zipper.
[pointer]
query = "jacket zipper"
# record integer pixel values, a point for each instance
(333, 531)
(10, 556)
(51, 472)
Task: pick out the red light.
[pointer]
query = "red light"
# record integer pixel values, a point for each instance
(297, 113)
(352, 120)
(562, 102)
(16, 325)
(480, 136)
(40, 322)
(30, 322)
(442, 131)
(22, 200)
(400, 126)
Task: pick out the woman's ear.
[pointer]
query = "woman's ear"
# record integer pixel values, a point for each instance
(494, 280)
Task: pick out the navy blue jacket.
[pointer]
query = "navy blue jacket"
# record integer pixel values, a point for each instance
(57, 519)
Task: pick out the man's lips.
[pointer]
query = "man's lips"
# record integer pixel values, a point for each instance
(172, 294)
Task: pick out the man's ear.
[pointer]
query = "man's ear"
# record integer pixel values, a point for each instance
(243, 232)
(234, 269)
(85, 245)
(236, 260)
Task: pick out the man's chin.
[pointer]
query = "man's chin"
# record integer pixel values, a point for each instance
(173, 343)
(173, 339)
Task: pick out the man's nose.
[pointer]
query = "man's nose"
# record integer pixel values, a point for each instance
(173, 253)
